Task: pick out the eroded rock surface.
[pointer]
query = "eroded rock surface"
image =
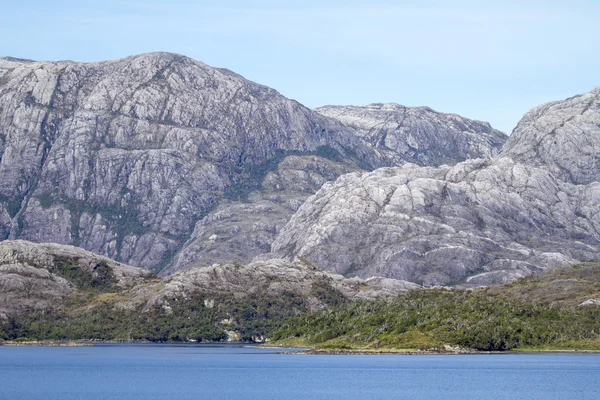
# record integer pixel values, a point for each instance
(51, 277)
(480, 222)
(124, 157)
(36, 277)
(561, 136)
(270, 277)
(130, 158)
(419, 134)
(238, 231)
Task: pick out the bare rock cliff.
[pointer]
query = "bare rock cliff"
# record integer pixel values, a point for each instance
(147, 158)
(479, 222)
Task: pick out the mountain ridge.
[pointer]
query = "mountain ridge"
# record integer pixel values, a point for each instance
(126, 157)
(480, 222)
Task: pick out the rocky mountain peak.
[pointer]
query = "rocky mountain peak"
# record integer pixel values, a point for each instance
(156, 160)
(419, 134)
(562, 136)
(123, 157)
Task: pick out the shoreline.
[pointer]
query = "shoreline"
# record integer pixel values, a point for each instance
(305, 350)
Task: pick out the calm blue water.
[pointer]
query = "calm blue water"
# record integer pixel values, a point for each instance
(201, 372)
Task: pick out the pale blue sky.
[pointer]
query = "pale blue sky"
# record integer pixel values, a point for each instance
(488, 60)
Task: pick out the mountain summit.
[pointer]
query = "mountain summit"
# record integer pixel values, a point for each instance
(157, 160)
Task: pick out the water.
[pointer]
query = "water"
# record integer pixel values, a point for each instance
(230, 372)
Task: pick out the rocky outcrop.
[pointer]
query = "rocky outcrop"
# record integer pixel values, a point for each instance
(419, 134)
(147, 158)
(271, 277)
(480, 222)
(238, 231)
(48, 255)
(561, 136)
(51, 277)
(38, 277)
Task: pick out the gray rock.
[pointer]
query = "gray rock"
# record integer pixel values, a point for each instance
(124, 157)
(271, 277)
(45, 255)
(28, 285)
(419, 134)
(239, 231)
(30, 281)
(129, 158)
(480, 222)
(562, 136)
(590, 302)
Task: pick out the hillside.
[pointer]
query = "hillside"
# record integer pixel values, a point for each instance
(541, 312)
(137, 158)
(479, 222)
(58, 292)
(51, 291)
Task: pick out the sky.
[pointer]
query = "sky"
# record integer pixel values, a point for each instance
(486, 60)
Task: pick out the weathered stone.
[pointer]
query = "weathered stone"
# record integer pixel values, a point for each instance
(562, 136)
(419, 134)
(128, 158)
(480, 222)
(30, 281)
(270, 277)
(124, 157)
(28, 285)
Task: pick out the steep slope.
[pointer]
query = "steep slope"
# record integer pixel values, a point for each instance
(562, 136)
(419, 134)
(147, 158)
(480, 222)
(237, 231)
(123, 157)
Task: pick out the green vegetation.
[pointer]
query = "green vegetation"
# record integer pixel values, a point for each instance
(434, 318)
(99, 279)
(536, 313)
(202, 317)
(13, 206)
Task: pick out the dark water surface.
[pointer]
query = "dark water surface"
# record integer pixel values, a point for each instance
(231, 372)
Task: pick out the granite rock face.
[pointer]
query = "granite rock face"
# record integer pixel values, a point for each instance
(237, 231)
(419, 134)
(145, 159)
(30, 282)
(124, 157)
(561, 136)
(480, 222)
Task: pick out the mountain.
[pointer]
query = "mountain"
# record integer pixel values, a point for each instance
(158, 160)
(58, 291)
(419, 134)
(561, 136)
(123, 157)
(479, 222)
